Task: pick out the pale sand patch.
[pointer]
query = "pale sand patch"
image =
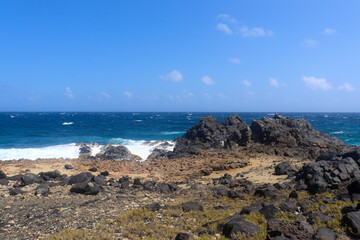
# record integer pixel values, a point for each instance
(261, 169)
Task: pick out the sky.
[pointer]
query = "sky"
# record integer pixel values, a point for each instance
(180, 55)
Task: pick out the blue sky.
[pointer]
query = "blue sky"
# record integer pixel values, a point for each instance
(180, 55)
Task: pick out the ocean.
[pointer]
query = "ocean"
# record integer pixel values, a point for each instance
(32, 135)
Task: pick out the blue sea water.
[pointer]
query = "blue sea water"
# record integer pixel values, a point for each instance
(44, 135)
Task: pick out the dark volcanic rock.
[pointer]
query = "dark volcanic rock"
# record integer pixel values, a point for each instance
(182, 236)
(43, 189)
(325, 234)
(240, 226)
(285, 168)
(117, 153)
(322, 175)
(298, 230)
(16, 191)
(192, 206)
(93, 169)
(269, 211)
(238, 133)
(68, 166)
(52, 175)
(154, 207)
(80, 178)
(2, 175)
(280, 135)
(285, 131)
(86, 188)
(352, 220)
(208, 133)
(30, 178)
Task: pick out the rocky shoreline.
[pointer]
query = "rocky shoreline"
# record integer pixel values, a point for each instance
(276, 179)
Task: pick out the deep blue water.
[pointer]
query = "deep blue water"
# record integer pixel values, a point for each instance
(35, 130)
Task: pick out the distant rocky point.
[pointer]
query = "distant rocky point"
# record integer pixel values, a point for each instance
(278, 135)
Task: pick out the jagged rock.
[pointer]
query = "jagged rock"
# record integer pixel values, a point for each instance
(106, 173)
(325, 234)
(317, 177)
(240, 226)
(86, 188)
(84, 150)
(30, 178)
(51, 175)
(154, 207)
(352, 220)
(117, 153)
(238, 133)
(80, 178)
(208, 133)
(43, 189)
(285, 168)
(294, 195)
(182, 236)
(124, 182)
(192, 206)
(279, 135)
(251, 208)
(149, 185)
(68, 166)
(16, 191)
(297, 230)
(313, 217)
(269, 211)
(2, 175)
(4, 182)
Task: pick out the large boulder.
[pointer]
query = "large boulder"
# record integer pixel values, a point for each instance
(119, 152)
(352, 221)
(280, 135)
(208, 133)
(320, 176)
(80, 178)
(239, 225)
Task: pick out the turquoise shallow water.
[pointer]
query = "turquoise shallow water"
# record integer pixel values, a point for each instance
(39, 130)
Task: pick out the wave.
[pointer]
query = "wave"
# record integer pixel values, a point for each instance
(141, 148)
(67, 123)
(138, 120)
(56, 151)
(172, 133)
(338, 132)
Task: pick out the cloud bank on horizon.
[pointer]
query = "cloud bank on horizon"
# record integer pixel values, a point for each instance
(242, 58)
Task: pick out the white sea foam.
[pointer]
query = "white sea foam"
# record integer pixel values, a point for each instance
(138, 120)
(67, 123)
(139, 147)
(338, 132)
(56, 151)
(171, 133)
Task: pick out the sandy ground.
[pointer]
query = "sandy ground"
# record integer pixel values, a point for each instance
(260, 168)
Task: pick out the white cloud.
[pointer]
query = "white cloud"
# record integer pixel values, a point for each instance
(128, 94)
(246, 83)
(347, 87)
(173, 76)
(317, 83)
(207, 80)
(234, 60)
(226, 17)
(69, 93)
(310, 42)
(225, 28)
(254, 32)
(105, 95)
(329, 31)
(274, 82)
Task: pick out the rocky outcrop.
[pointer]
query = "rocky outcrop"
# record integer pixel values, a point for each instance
(278, 135)
(117, 152)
